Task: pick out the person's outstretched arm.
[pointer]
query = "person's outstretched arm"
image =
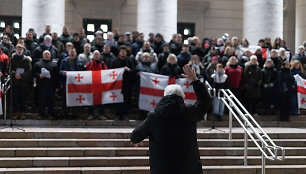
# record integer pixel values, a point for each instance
(141, 132)
(200, 107)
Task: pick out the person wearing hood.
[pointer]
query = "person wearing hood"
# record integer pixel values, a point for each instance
(171, 129)
(296, 68)
(253, 79)
(47, 85)
(96, 65)
(107, 56)
(146, 49)
(171, 68)
(184, 57)
(46, 45)
(21, 71)
(286, 86)
(269, 87)
(219, 81)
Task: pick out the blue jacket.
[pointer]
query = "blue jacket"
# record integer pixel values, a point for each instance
(65, 67)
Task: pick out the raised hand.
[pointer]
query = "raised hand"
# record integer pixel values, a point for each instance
(189, 73)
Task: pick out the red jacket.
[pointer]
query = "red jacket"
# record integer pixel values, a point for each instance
(4, 62)
(95, 66)
(234, 76)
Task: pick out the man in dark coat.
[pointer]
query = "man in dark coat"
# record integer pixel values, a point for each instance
(30, 44)
(46, 45)
(171, 128)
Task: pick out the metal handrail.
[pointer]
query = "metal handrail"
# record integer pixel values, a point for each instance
(251, 129)
(4, 89)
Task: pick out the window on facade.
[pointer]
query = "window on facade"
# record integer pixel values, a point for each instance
(14, 21)
(187, 30)
(93, 25)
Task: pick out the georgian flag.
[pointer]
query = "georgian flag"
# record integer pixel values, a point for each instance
(87, 88)
(301, 91)
(152, 88)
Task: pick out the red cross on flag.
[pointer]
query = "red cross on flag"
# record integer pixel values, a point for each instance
(301, 91)
(152, 88)
(87, 88)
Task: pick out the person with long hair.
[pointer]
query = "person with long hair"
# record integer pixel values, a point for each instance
(295, 68)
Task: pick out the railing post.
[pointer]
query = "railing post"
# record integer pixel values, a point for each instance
(263, 163)
(230, 123)
(245, 161)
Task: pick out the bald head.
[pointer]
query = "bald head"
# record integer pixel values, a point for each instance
(46, 55)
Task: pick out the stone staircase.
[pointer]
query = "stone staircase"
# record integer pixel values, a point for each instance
(56, 149)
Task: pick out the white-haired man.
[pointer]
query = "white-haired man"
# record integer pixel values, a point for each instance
(171, 128)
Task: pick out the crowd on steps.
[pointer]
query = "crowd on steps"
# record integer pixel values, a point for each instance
(262, 77)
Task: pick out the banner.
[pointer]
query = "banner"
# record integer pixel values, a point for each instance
(87, 88)
(152, 88)
(301, 91)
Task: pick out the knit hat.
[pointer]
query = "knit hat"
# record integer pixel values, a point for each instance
(214, 58)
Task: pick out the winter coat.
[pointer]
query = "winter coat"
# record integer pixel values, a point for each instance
(53, 82)
(277, 62)
(86, 57)
(136, 47)
(59, 45)
(79, 66)
(95, 65)
(171, 70)
(4, 63)
(172, 131)
(183, 58)
(269, 84)
(38, 52)
(252, 78)
(79, 46)
(199, 52)
(162, 59)
(153, 55)
(146, 67)
(225, 59)
(235, 74)
(108, 59)
(158, 47)
(175, 48)
(208, 57)
(23, 62)
(219, 81)
(65, 38)
(128, 77)
(30, 45)
(285, 83)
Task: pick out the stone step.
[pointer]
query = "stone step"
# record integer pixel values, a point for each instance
(125, 133)
(23, 162)
(127, 143)
(130, 151)
(270, 169)
(295, 123)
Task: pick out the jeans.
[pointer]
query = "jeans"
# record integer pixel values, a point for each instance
(218, 106)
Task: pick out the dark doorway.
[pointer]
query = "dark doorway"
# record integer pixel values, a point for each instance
(186, 29)
(14, 21)
(93, 25)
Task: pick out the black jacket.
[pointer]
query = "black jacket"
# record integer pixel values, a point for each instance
(53, 82)
(172, 130)
(108, 59)
(30, 45)
(38, 52)
(171, 70)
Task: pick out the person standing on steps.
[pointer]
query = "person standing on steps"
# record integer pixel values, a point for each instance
(172, 129)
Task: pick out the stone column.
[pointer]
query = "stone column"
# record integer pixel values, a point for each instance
(39, 13)
(157, 16)
(262, 18)
(300, 22)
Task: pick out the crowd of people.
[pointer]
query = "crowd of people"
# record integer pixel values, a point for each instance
(258, 80)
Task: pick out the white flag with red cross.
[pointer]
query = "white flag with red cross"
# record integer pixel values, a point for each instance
(152, 88)
(87, 88)
(301, 91)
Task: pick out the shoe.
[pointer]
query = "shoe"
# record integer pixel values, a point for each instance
(50, 117)
(15, 116)
(40, 117)
(90, 117)
(21, 116)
